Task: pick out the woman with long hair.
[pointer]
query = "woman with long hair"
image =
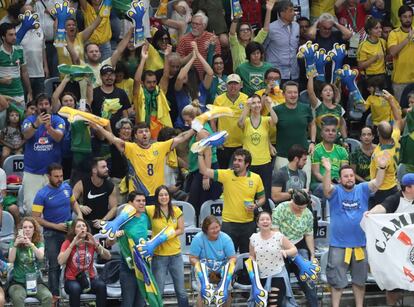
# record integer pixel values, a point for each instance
(26, 253)
(167, 256)
(77, 253)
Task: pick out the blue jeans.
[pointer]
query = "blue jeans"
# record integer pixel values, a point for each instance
(131, 297)
(38, 86)
(53, 242)
(52, 59)
(174, 265)
(73, 289)
(106, 50)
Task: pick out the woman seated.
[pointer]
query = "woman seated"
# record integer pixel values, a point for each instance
(26, 253)
(77, 253)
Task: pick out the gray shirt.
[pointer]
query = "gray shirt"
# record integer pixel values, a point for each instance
(281, 47)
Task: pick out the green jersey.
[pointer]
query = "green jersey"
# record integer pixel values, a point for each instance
(193, 157)
(362, 162)
(25, 262)
(252, 77)
(10, 64)
(322, 111)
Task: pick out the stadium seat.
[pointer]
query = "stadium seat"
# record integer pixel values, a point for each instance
(14, 165)
(211, 207)
(322, 237)
(368, 121)
(316, 205)
(239, 267)
(188, 212)
(272, 204)
(6, 232)
(185, 240)
(50, 85)
(85, 297)
(354, 144)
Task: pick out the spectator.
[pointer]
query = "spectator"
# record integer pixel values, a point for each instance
(326, 103)
(214, 248)
(241, 34)
(252, 13)
(146, 160)
(291, 176)
(26, 254)
(11, 137)
(407, 143)
(97, 196)
(200, 188)
(34, 51)
(379, 11)
(352, 14)
(304, 25)
(107, 91)
(401, 48)
(13, 69)
(103, 33)
(282, 42)
(52, 209)
(318, 7)
(337, 155)
(179, 21)
(122, 80)
(256, 130)
(269, 248)
(252, 72)
(386, 29)
(167, 257)
(200, 36)
(150, 103)
(77, 255)
(8, 202)
(237, 102)
(348, 202)
(156, 51)
(295, 122)
(295, 221)
(389, 145)
(130, 57)
(360, 158)
(243, 193)
(43, 133)
(218, 85)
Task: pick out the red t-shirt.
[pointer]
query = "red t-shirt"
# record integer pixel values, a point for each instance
(78, 260)
(348, 16)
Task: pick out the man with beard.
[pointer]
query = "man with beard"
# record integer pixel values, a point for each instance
(98, 195)
(401, 48)
(52, 209)
(109, 91)
(348, 202)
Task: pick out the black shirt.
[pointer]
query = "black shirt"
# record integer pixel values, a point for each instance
(394, 201)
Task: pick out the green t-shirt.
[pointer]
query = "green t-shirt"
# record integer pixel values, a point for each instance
(292, 127)
(252, 77)
(10, 65)
(25, 262)
(193, 157)
(338, 156)
(322, 111)
(135, 229)
(362, 162)
(290, 225)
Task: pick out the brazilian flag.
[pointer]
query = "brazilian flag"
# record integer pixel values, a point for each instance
(77, 72)
(121, 6)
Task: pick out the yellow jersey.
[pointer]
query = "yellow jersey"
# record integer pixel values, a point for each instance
(236, 191)
(172, 246)
(390, 179)
(367, 50)
(128, 86)
(63, 54)
(380, 109)
(230, 123)
(256, 140)
(147, 165)
(322, 6)
(103, 32)
(403, 71)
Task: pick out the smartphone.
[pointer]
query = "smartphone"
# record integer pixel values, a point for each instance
(82, 105)
(20, 232)
(378, 93)
(43, 111)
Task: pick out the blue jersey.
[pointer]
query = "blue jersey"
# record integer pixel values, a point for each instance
(54, 203)
(347, 209)
(41, 149)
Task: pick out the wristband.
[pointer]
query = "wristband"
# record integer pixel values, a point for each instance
(34, 127)
(383, 168)
(312, 142)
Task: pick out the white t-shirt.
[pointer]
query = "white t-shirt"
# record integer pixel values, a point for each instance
(46, 22)
(33, 44)
(269, 256)
(3, 180)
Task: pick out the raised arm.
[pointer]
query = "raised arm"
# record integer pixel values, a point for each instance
(56, 94)
(245, 113)
(86, 34)
(326, 181)
(311, 91)
(312, 30)
(268, 104)
(396, 111)
(183, 74)
(140, 70)
(165, 79)
(182, 137)
(208, 172)
(26, 81)
(119, 144)
(121, 47)
(269, 8)
(382, 163)
(208, 77)
(74, 56)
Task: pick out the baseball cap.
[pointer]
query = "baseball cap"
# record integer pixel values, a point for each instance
(408, 179)
(233, 78)
(106, 68)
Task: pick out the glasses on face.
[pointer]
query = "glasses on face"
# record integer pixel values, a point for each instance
(197, 24)
(245, 30)
(218, 63)
(126, 128)
(164, 39)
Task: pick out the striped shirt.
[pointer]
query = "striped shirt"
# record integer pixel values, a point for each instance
(10, 64)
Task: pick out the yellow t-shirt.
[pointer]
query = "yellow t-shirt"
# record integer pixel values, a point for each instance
(103, 32)
(368, 50)
(63, 54)
(256, 140)
(230, 123)
(380, 109)
(236, 191)
(277, 99)
(172, 246)
(403, 70)
(97, 71)
(128, 86)
(390, 179)
(148, 165)
(395, 20)
(322, 6)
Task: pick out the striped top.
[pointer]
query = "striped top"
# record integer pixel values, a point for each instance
(10, 67)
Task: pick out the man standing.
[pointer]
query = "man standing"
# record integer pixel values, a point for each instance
(146, 160)
(401, 48)
(348, 202)
(52, 209)
(13, 70)
(282, 42)
(243, 193)
(98, 195)
(43, 133)
(235, 100)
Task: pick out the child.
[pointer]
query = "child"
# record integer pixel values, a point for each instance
(11, 137)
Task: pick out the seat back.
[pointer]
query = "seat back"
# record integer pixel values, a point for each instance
(187, 237)
(354, 144)
(14, 165)
(7, 225)
(322, 235)
(51, 84)
(188, 212)
(211, 207)
(316, 205)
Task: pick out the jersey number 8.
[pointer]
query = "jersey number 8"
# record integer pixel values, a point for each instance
(150, 169)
